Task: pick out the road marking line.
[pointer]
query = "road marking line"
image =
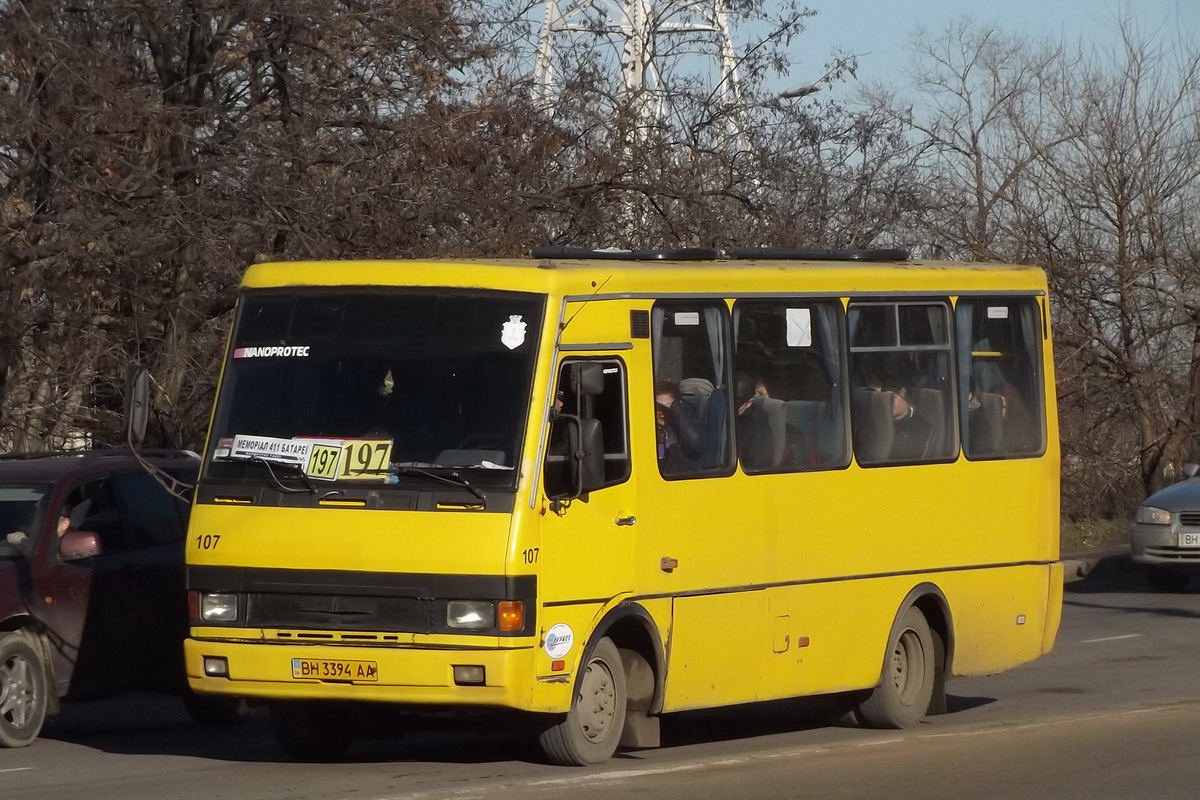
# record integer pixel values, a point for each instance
(511, 785)
(603, 777)
(1112, 638)
(1029, 726)
(16, 769)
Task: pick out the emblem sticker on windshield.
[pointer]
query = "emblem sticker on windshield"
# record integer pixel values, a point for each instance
(559, 640)
(292, 351)
(512, 333)
(388, 384)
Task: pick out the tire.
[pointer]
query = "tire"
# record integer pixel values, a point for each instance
(902, 697)
(309, 731)
(1166, 581)
(591, 730)
(216, 710)
(23, 691)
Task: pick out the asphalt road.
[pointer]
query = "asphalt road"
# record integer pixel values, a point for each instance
(1112, 713)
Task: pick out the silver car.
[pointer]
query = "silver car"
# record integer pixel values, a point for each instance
(1165, 534)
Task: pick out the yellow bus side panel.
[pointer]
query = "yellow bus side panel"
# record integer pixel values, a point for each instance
(829, 636)
(716, 660)
(1000, 616)
(832, 636)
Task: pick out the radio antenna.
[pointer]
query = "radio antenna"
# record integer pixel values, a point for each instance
(595, 292)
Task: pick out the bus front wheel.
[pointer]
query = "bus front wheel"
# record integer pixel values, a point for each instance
(591, 730)
(902, 697)
(311, 731)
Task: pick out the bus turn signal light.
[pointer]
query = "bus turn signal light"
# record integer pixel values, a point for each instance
(510, 615)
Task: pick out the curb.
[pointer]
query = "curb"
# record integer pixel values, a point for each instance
(1077, 566)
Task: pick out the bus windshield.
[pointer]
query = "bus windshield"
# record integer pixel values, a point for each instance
(373, 384)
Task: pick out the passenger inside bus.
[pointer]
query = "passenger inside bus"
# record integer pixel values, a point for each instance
(999, 421)
(912, 435)
(681, 441)
(985, 421)
(1020, 433)
(755, 438)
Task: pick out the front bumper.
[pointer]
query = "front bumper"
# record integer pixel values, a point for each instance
(1158, 545)
(409, 675)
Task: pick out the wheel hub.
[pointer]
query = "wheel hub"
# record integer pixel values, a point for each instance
(17, 692)
(908, 666)
(597, 701)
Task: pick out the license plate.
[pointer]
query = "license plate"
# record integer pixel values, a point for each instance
(1189, 540)
(334, 669)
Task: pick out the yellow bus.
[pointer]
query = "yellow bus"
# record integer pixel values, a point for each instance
(600, 487)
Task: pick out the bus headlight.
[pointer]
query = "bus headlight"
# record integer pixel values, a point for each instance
(1149, 515)
(471, 614)
(218, 607)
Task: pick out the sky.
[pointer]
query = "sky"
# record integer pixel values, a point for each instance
(880, 30)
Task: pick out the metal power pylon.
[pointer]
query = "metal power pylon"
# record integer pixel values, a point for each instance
(639, 25)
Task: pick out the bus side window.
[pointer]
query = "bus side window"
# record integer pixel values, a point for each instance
(691, 367)
(609, 408)
(902, 407)
(1000, 408)
(791, 352)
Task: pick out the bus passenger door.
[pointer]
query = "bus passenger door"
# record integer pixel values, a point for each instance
(701, 537)
(587, 541)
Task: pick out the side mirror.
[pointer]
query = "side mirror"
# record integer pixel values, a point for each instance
(1190, 469)
(581, 460)
(586, 379)
(587, 456)
(137, 403)
(78, 545)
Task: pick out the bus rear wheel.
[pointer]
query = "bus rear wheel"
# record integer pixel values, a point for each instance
(23, 688)
(309, 731)
(591, 730)
(902, 697)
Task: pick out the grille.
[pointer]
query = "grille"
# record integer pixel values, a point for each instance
(1189, 519)
(1188, 554)
(351, 638)
(341, 612)
(639, 324)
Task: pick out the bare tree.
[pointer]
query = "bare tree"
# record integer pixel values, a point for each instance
(1088, 164)
(1111, 212)
(150, 149)
(978, 107)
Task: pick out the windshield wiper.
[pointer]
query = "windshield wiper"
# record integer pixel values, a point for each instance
(296, 468)
(453, 478)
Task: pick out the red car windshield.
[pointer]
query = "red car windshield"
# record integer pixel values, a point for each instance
(22, 509)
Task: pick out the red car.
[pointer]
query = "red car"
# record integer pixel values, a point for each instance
(92, 598)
